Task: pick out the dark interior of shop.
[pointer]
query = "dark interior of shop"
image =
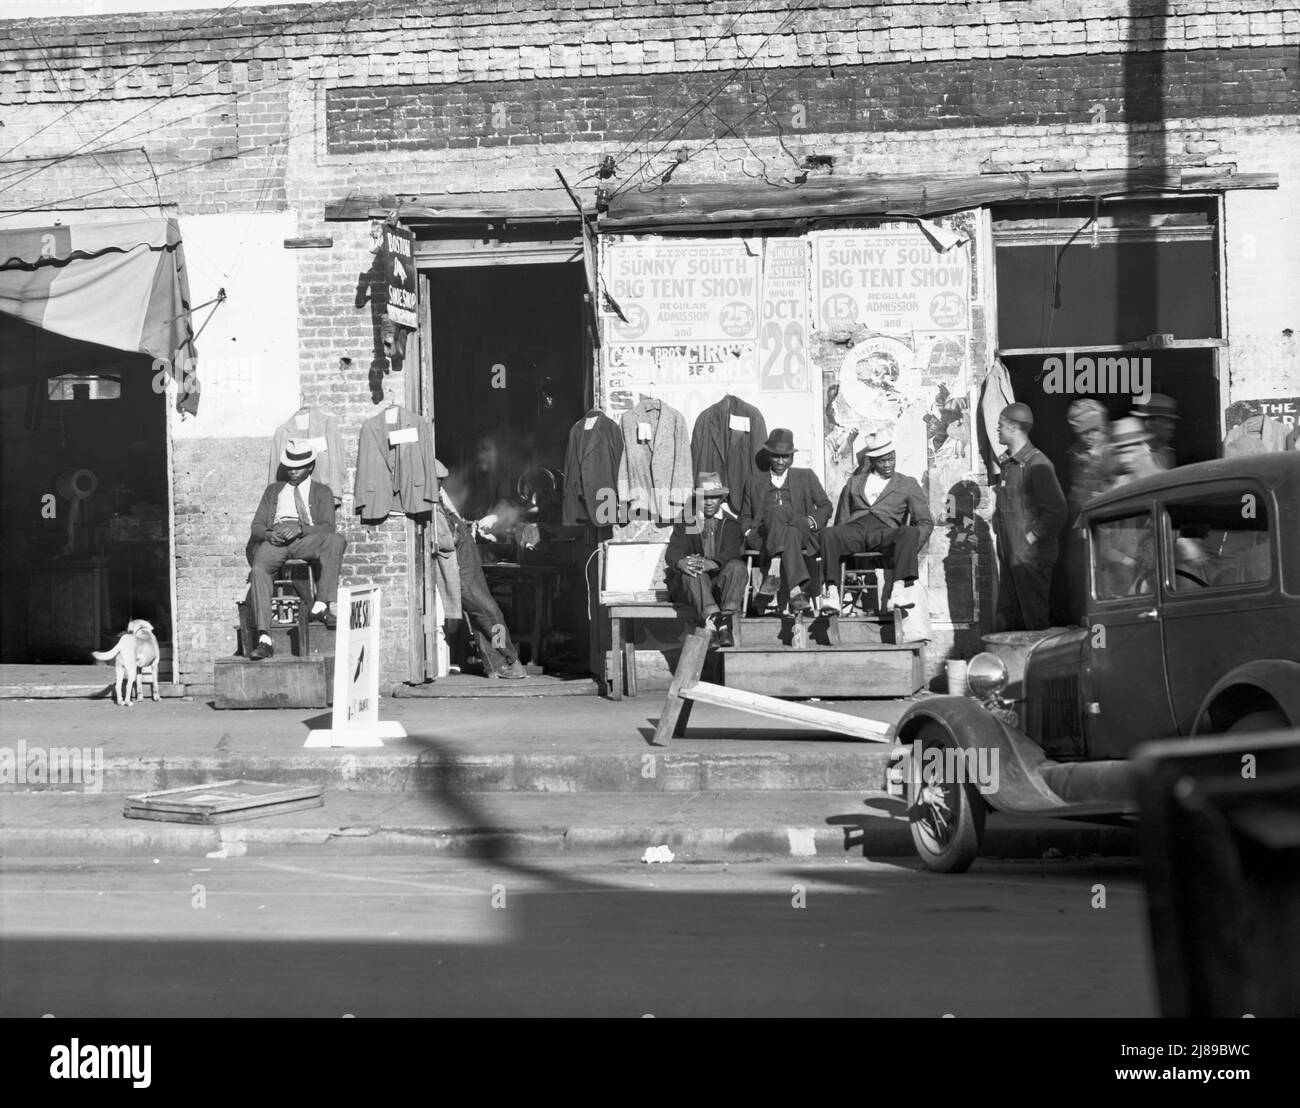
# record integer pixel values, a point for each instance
(83, 497)
(509, 381)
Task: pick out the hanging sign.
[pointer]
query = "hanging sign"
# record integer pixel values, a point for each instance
(399, 271)
(356, 674)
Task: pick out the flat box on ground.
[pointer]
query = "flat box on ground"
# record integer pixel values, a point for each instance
(222, 802)
(274, 682)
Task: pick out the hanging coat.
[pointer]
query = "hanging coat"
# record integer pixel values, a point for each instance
(395, 476)
(994, 397)
(322, 432)
(591, 465)
(726, 440)
(654, 476)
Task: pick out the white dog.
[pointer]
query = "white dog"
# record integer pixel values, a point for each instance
(136, 650)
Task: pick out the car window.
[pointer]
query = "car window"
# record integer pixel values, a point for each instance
(1123, 557)
(1220, 540)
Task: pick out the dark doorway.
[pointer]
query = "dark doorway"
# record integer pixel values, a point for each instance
(84, 514)
(510, 379)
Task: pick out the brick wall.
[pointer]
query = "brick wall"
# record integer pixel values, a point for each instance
(280, 109)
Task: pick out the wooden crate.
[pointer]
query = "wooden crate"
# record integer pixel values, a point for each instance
(222, 802)
(866, 671)
(274, 682)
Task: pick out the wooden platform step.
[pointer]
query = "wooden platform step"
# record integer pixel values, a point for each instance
(277, 682)
(850, 672)
(822, 630)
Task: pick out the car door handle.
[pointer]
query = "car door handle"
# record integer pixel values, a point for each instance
(1150, 613)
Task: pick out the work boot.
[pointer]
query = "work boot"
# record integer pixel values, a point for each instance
(513, 672)
(721, 630)
(798, 602)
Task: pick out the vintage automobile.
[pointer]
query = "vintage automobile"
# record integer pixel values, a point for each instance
(1192, 627)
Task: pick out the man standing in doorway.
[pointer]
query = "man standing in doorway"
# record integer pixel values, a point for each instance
(1160, 414)
(1027, 519)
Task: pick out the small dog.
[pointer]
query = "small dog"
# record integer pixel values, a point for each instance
(137, 649)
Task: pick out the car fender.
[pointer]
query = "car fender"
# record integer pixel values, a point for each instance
(1247, 687)
(1019, 785)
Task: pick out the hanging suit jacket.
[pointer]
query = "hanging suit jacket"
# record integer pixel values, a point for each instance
(591, 466)
(320, 505)
(717, 448)
(395, 477)
(806, 496)
(322, 431)
(900, 499)
(654, 478)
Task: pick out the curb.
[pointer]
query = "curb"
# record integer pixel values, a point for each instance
(654, 770)
(883, 838)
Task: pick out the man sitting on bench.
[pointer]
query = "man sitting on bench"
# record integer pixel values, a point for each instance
(780, 514)
(289, 525)
(873, 508)
(704, 561)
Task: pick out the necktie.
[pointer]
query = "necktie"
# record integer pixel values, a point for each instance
(709, 528)
(303, 517)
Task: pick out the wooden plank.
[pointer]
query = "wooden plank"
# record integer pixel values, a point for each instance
(786, 712)
(516, 205)
(689, 667)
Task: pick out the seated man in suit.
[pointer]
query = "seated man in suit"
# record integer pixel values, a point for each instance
(873, 507)
(780, 514)
(289, 525)
(704, 564)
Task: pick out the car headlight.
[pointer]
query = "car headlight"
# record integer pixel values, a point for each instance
(986, 675)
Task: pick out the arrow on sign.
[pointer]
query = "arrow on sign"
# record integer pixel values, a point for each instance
(399, 270)
(360, 661)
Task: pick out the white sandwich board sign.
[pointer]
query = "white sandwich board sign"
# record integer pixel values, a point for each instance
(356, 719)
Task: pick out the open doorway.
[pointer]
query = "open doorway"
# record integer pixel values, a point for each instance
(510, 378)
(84, 532)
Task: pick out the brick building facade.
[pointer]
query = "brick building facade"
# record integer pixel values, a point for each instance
(275, 126)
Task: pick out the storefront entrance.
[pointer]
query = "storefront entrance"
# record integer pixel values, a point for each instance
(83, 502)
(510, 376)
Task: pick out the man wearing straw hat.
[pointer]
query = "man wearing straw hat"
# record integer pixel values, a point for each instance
(704, 566)
(289, 525)
(873, 514)
(1160, 415)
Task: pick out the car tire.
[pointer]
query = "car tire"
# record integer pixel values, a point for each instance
(946, 817)
(1271, 719)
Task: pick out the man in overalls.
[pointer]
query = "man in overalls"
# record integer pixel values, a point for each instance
(1027, 519)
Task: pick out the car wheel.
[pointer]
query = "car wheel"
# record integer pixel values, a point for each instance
(1270, 719)
(946, 816)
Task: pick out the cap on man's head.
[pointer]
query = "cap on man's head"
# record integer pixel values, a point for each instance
(1019, 413)
(1087, 415)
(710, 484)
(294, 456)
(1129, 432)
(1157, 404)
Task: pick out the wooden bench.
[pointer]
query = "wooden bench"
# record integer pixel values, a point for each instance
(640, 594)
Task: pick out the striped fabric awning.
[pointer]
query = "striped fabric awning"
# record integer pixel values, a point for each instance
(117, 284)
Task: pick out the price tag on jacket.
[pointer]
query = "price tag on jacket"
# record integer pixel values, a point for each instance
(643, 432)
(317, 444)
(589, 422)
(406, 434)
(302, 420)
(739, 422)
(390, 416)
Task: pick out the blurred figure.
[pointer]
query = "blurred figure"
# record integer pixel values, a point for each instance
(1092, 471)
(492, 499)
(1130, 444)
(1160, 415)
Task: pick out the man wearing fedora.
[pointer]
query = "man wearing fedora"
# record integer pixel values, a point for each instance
(704, 562)
(289, 525)
(1160, 415)
(873, 514)
(781, 513)
(1027, 518)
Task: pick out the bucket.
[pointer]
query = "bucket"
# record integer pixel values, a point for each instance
(956, 678)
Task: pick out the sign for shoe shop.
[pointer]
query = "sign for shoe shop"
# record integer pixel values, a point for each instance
(355, 720)
(399, 272)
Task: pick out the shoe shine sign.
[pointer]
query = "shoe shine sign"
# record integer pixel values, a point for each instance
(356, 719)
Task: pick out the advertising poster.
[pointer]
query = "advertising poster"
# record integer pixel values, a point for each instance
(891, 280)
(708, 318)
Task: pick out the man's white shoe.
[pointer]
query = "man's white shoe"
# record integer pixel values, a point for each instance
(900, 596)
(830, 600)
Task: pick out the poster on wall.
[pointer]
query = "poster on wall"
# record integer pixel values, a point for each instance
(891, 280)
(704, 318)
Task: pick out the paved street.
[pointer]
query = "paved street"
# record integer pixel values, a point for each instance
(296, 933)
